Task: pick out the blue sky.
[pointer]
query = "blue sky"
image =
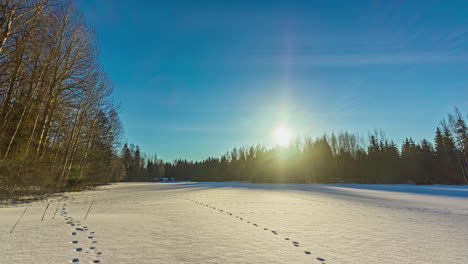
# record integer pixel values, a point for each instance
(197, 78)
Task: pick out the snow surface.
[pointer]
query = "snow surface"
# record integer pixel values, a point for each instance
(243, 223)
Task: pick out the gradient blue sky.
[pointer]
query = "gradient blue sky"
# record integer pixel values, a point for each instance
(197, 78)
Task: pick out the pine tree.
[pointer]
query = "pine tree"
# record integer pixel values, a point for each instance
(439, 143)
(127, 160)
(449, 169)
(374, 160)
(449, 143)
(427, 162)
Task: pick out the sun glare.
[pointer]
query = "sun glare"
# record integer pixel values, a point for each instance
(282, 136)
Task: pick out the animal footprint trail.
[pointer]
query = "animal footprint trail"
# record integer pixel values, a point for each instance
(294, 243)
(78, 232)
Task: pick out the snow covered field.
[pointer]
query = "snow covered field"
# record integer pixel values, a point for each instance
(243, 223)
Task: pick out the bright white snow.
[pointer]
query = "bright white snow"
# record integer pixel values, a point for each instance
(243, 223)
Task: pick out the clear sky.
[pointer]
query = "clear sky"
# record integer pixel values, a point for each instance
(197, 78)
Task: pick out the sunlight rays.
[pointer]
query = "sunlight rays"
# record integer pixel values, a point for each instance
(282, 136)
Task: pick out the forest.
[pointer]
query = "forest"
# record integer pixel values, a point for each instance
(59, 127)
(343, 158)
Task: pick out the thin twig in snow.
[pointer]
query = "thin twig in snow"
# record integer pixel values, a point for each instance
(53, 217)
(45, 212)
(18, 220)
(89, 209)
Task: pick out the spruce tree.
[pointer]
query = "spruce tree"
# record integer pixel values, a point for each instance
(127, 160)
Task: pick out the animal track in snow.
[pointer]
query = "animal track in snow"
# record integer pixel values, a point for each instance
(91, 250)
(294, 243)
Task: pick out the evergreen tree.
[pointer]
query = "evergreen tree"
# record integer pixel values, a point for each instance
(338, 158)
(126, 159)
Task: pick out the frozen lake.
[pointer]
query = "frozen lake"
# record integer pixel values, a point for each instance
(243, 223)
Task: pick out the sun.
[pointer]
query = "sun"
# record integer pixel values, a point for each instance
(282, 136)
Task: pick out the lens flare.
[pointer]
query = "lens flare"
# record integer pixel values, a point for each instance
(282, 136)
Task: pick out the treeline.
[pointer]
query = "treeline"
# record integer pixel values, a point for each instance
(343, 158)
(140, 168)
(58, 125)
